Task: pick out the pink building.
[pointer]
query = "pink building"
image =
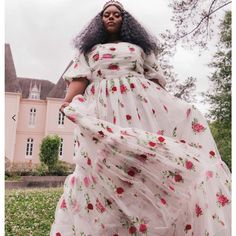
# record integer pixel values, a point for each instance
(31, 113)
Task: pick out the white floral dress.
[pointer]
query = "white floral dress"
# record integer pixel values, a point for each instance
(146, 162)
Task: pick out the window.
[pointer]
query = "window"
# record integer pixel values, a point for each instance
(61, 118)
(29, 147)
(61, 148)
(32, 117)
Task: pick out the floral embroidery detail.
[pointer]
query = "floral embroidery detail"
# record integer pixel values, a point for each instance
(161, 139)
(128, 117)
(209, 174)
(108, 56)
(216, 217)
(113, 67)
(212, 154)
(87, 181)
(187, 228)
(92, 90)
(58, 234)
(112, 49)
(119, 190)
(99, 206)
(198, 210)
(123, 89)
(222, 200)
(189, 165)
(132, 229)
(197, 127)
(72, 181)
(96, 57)
(143, 228)
(63, 204)
(75, 65)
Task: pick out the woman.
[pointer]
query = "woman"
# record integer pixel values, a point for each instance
(146, 162)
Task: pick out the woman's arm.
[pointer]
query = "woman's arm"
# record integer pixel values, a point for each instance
(75, 87)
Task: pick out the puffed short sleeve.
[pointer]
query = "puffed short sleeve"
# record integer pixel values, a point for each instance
(152, 69)
(78, 68)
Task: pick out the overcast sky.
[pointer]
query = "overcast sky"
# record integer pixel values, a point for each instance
(40, 34)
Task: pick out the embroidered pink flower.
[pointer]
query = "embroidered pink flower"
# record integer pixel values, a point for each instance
(132, 229)
(144, 86)
(123, 88)
(75, 65)
(99, 206)
(178, 178)
(189, 165)
(119, 190)
(96, 57)
(63, 204)
(128, 117)
(143, 228)
(131, 49)
(197, 127)
(222, 199)
(198, 210)
(161, 139)
(109, 130)
(87, 181)
(209, 174)
(72, 181)
(107, 56)
(160, 132)
(92, 90)
(81, 99)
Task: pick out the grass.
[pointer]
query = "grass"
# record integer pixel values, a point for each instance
(30, 212)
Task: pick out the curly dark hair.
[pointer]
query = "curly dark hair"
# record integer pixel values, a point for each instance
(131, 31)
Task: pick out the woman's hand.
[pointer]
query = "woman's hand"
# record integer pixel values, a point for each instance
(64, 104)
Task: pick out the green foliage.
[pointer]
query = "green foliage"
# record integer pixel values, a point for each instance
(42, 169)
(60, 169)
(30, 211)
(219, 97)
(49, 151)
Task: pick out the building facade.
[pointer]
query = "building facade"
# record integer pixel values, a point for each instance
(31, 113)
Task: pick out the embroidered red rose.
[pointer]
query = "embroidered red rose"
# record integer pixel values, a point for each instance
(114, 89)
(90, 206)
(99, 73)
(163, 201)
(132, 85)
(58, 234)
(63, 204)
(152, 144)
(113, 67)
(131, 172)
(89, 161)
(198, 210)
(123, 88)
(132, 229)
(187, 228)
(101, 134)
(96, 57)
(222, 199)
(142, 228)
(178, 178)
(212, 154)
(119, 190)
(128, 117)
(188, 165)
(161, 139)
(112, 49)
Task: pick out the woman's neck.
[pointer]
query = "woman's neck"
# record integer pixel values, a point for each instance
(113, 38)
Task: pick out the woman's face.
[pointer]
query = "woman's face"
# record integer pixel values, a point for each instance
(112, 19)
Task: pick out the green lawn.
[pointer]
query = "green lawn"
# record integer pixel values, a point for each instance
(30, 212)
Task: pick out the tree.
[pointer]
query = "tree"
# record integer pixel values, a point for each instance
(49, 151)
(219, 97)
